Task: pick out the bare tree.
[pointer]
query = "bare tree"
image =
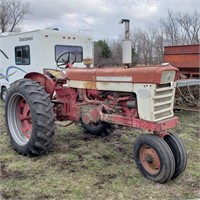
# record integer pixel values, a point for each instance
(159, 48)
(12, 13)
(170, 28)
(190, 25)
(148, 45)
(116, 49)
(4, 16)
(137, 43)
(181, 28)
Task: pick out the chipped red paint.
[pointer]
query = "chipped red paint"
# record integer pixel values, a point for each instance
(92, 105)
(142, 74)
(24, 117)
(43, 80)
(185, 57)
(140, 123)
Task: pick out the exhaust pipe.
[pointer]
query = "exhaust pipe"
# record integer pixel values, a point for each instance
(126, 44)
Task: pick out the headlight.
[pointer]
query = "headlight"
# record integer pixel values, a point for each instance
(167, 76)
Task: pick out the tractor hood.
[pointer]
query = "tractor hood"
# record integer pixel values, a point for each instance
(141, 74)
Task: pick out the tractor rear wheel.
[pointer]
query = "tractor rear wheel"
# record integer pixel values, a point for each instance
(154, 158)
(29, 117)
(179, 153)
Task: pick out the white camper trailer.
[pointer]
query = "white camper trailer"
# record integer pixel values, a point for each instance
(21, 53)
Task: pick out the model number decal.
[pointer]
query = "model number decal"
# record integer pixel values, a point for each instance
(22, 39)
(114, 78)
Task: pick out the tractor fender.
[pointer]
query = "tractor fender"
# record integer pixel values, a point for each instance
(43, 80)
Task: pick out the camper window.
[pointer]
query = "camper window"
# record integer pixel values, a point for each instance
(22, 55)
(78, 50)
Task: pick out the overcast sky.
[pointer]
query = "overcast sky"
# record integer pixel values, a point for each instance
(101, 16)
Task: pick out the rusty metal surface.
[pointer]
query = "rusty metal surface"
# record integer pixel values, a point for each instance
(142, 74)
(185, 56)
(140, 123)
(177, 108)
(187, 59)
(183, 61)
(43, 80)
(187, 97)
(183, 49)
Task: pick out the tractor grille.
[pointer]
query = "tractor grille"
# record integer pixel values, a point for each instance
(163, 102)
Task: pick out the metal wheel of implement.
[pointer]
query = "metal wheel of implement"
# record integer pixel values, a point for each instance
(179, 152)
(98, 128)
(29, 117)
(154, 158)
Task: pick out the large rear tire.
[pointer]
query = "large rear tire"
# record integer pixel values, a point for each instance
(179, 153)
(154, 158)
(29, 117)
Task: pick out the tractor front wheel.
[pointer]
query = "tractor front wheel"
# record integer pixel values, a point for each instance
(179, 153)
(154, 158)
(29, 117)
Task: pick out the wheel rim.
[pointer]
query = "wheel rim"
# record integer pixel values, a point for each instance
(19, 119)
(150, 159)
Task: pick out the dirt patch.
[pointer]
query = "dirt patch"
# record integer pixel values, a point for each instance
(6, 174)
(103, 179)
(197, 133)
(10, 194)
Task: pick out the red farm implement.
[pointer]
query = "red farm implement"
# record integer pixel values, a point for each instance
(187, 59)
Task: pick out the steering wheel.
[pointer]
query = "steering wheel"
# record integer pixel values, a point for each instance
(65, 59)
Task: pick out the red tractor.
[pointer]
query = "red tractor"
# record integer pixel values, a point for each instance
(140, 97)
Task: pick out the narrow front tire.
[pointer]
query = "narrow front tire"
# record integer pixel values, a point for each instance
(154, 158)
(179, 152)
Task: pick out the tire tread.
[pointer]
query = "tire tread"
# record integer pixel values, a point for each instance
(43, 117)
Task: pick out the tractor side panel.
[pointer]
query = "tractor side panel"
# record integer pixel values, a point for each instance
(155, 101)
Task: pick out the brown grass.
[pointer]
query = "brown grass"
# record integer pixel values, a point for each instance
(81, 166)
